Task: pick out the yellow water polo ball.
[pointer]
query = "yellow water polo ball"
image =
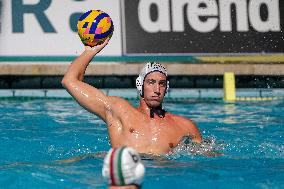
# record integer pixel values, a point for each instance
(94, 27)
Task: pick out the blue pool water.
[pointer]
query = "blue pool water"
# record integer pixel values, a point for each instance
(35, 134)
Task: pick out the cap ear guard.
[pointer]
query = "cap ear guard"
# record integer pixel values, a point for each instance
(147, 69)
(122, 166)
(139, 85)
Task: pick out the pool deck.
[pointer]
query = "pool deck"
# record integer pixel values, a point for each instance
(133, 68)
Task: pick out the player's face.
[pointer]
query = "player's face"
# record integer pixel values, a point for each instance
(155, 85)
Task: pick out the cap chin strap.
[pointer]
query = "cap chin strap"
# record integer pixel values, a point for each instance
(158, 111)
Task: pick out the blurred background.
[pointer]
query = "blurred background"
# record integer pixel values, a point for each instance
(198, 41)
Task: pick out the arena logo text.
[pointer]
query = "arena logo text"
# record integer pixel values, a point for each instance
(206, 15)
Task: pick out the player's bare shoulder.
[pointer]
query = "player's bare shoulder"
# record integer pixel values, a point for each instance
(115, 100)
(189, 128)
(185, 123)
(120, 105)
(182, 119)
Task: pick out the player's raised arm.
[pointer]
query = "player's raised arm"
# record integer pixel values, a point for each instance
(92, 99)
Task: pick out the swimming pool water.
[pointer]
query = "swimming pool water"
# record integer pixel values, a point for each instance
(35, 134)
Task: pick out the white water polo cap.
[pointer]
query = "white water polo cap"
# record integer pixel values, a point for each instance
(147, 69)
(123, 166)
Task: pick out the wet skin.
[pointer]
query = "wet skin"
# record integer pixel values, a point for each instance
(127, 125)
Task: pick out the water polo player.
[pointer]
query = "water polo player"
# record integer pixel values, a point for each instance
(149, 128)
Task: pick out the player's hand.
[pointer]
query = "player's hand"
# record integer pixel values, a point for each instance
(96, 49)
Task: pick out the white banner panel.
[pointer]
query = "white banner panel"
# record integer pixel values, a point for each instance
(48, 27)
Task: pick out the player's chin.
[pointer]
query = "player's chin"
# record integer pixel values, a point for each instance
(155, 103)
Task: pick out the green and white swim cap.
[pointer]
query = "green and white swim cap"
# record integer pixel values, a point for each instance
(123, 166)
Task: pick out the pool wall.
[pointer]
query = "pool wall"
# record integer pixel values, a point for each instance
(123, 75)
(173, 94)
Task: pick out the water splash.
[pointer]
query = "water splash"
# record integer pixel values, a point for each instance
(270, 150)
(208, 147)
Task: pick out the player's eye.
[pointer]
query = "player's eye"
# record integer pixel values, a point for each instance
(163, 83)
(151, 81)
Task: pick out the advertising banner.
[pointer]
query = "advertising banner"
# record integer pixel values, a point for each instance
(37, 28)
(203, 26)
(48, 27)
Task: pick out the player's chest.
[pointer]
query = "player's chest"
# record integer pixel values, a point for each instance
(156, 129)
